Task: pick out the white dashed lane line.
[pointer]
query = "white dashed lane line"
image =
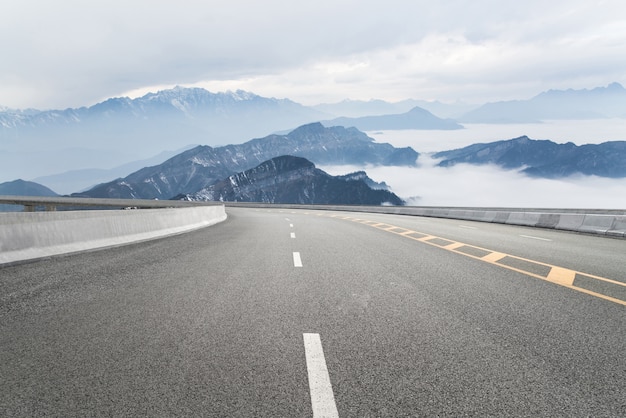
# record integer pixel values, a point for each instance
(537, 238)
(297, 261)
(322, 397)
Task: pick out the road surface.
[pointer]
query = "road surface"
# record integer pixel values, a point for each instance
(283, 313)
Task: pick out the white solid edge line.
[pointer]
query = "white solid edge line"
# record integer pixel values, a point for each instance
(297, 261)
(322, 398)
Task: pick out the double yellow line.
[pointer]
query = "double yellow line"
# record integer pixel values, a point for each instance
(601, 287)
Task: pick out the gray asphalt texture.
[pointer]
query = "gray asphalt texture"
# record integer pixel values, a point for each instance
(210, 323)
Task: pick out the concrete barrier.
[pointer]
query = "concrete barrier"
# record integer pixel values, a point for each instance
(596, 224)
(618, 229)
(32, 235)
(591, 223)
(570, 221)
(523, 218)
(609, 222)
(604, 224)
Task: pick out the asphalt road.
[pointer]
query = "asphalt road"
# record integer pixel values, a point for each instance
(414, 317)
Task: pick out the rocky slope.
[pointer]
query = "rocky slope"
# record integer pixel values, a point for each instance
(295, 180)
(201, 166)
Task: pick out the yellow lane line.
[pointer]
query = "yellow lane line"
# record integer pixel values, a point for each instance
(561, 276)
(557, 275)
(453, 246)
(493, 257)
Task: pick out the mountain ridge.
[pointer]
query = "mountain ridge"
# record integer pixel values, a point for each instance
(415, 118)
(543, 158)
(198, 167)
(120, 130)
(292, 180)
(376, 107)
(596, 103)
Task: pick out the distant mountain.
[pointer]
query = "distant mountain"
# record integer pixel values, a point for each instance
(25, 188)
(288, 179)
(22, 188)
(598, 103)
(201, 166)
(416, 118)
(544, 158)
(79, 180)
(119, 130)
(359, 108)
(445, 110)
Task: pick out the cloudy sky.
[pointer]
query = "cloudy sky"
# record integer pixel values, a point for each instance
(70, 53)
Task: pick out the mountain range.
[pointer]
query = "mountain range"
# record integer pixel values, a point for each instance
(251, 171)
(416, 118)
(597, 103)
(121, 130)
(203, 165)
(295, 180)
(359, 108)
(77, 144)
(543, 158)
(83, 179)
(197, 111)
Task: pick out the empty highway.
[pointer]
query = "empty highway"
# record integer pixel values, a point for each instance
(295, 313)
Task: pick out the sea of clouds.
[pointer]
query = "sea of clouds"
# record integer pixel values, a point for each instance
(492, 186)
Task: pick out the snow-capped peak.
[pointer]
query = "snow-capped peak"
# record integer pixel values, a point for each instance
(241, 95)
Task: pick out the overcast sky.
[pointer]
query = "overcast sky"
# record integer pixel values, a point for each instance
(70, 53)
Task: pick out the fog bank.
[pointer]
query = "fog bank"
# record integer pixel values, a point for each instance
(580, 132)
(491, 186)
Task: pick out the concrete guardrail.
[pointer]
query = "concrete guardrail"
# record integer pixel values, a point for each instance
(33, 235)
(591, 221)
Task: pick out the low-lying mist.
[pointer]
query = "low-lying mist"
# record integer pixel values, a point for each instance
(492, 186)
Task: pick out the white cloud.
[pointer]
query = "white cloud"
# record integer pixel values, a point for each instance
(73, 53)
(589, 131)
(490, 186)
